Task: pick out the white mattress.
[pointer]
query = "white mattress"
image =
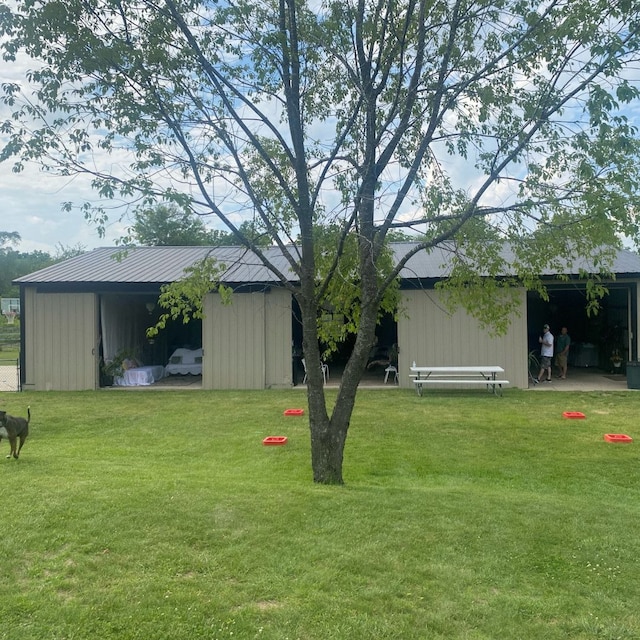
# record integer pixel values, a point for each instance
(140, 376)
(184, 361)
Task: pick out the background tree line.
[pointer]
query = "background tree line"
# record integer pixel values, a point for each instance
(15, 263)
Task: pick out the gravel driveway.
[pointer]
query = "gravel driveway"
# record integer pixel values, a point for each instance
(8, 378)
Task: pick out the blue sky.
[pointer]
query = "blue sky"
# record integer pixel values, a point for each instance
(32, 200)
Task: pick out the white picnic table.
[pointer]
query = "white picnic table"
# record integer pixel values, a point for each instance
(468, 375)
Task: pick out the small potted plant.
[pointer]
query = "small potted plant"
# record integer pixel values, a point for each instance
(116, 367)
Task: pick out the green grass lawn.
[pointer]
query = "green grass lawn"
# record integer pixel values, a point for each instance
(9, 354)
(160, 515)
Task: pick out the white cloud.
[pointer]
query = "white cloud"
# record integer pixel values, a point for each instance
(32, 200)
(32, 206)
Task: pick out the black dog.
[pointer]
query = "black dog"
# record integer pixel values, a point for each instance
(14, 428)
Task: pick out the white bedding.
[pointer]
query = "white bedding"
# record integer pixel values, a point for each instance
(139, 376)
(185, 361)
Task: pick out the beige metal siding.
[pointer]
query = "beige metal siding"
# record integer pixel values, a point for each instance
(28, 322)
(61, 338)
(278, 338)
(428, 334)
(234, 342)
(636, 328)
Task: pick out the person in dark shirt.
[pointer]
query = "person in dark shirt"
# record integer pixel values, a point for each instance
(562, 352)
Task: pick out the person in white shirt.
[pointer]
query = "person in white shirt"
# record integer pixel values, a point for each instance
(546, 353)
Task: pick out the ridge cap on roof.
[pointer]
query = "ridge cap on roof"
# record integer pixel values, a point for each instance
(162, 264)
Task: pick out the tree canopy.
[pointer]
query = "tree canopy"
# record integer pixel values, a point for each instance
(472, 122)
(166, 225)
(14, 263)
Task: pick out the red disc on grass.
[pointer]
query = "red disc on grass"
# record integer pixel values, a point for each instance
(573, 415)
(617, 437)
(274, 440)
(294, 412)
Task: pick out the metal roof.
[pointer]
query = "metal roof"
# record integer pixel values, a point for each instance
(433, 264)
(159, 265)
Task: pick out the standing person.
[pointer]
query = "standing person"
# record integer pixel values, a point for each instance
(546, 353)
(562, 352)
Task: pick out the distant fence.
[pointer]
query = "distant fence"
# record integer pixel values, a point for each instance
(9, 374)
(9, 363)
(9, 337)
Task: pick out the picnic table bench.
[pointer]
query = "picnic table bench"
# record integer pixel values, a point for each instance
(480, 374)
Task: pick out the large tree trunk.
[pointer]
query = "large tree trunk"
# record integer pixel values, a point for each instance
(327, 451)
(329, 432)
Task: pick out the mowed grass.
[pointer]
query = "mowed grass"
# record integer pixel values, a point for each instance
(160, 515)
(9, 354)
